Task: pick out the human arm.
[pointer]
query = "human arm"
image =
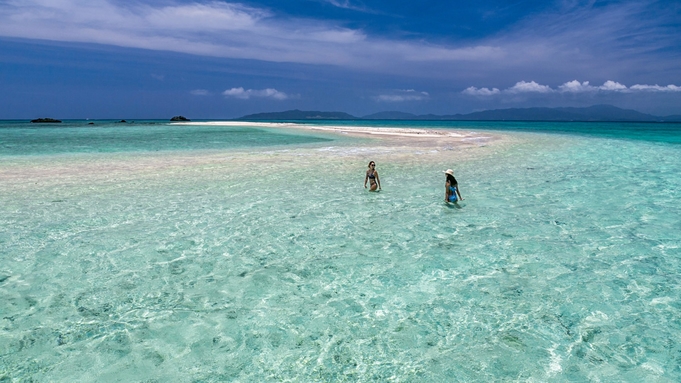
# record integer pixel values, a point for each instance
(458, 192)
(378, 181)
(366, 177)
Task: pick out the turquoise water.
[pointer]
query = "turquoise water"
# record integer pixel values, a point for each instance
(79, 137)
(655, 132)
(271, 262)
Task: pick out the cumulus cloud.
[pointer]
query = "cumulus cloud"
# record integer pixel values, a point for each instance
(613, 86)
(245, 94)
(570, 87)
(656, 88)
(200, 92)
(473, 91)
(576, 87)
(527, 87)
(403, 95)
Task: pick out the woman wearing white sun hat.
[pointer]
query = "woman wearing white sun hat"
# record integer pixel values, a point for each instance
(451, 187)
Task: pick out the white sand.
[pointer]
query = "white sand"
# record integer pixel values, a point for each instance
(461, 135)
(386, 144)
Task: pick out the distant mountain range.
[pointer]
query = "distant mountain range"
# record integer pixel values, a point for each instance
(300, 115)
(591, 113)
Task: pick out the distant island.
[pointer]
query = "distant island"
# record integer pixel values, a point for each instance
(300, 115)
(596, 113)
(180, 118)
(45, 121)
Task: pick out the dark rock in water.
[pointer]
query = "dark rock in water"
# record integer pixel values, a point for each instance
(90, 123)
(122, 121)
(44, 120)
(179, 118)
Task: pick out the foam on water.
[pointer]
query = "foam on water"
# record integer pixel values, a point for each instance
(562, 264)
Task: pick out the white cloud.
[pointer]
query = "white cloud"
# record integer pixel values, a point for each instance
(402, 95)
(577, 87)
(656, 88)
(425, 53)
(601, 39)
(200, 92)
(245, 94)
(206, 17)
(573, 86)
(221, 29)
(527, 87)
(613, 40)
(346, 4)
(613, 86)
(473, 91)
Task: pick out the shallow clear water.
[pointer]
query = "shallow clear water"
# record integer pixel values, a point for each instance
(273, 263)
(80, 137)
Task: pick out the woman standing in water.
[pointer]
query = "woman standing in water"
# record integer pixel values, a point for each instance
(451, 187)
(372, 177)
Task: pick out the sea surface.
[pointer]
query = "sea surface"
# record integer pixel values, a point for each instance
(150, 252)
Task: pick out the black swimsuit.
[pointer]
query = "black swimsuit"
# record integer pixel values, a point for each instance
(372, 178)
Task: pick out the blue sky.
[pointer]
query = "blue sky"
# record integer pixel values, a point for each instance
(220, 59)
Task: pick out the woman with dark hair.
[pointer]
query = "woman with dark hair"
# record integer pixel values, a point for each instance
(372, 177)
(451, 187)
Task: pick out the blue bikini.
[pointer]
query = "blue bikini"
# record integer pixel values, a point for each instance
(452, 194)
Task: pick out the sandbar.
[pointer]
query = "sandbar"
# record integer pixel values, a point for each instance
(462, 136)
(382, 144)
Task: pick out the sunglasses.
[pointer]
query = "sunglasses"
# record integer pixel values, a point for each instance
(372, 164)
